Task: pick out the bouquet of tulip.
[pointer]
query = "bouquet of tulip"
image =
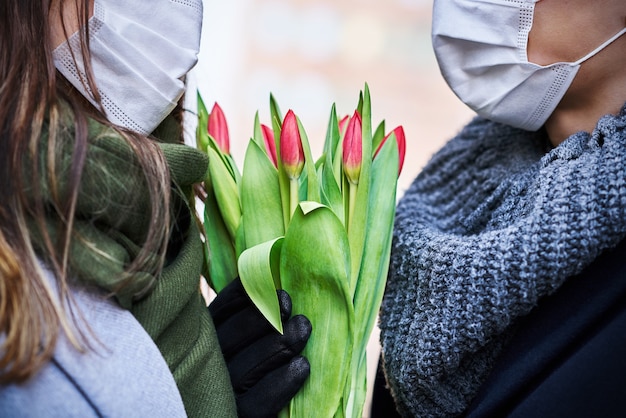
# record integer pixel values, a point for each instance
(319, 229)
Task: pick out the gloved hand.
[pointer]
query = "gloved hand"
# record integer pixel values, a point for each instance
(266, 368)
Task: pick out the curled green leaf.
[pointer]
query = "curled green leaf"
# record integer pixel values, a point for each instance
(259, 267)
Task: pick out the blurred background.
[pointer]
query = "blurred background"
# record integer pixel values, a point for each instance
(313, 53)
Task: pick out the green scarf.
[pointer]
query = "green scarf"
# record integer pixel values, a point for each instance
(111, 222)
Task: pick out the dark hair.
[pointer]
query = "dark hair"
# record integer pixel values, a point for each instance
(32, 98)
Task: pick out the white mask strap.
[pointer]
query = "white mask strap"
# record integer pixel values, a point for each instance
(601, 47)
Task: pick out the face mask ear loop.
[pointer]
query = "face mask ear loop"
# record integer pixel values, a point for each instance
(601, 47)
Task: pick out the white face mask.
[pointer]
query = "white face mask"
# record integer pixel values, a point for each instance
(480, 46)
(141, 51)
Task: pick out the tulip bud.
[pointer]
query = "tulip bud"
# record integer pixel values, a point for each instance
(401, 140)
(270, 145)
(291, 152)
(353, 149)
(218, 128)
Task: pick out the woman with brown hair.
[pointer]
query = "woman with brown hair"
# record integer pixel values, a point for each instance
(100, 257)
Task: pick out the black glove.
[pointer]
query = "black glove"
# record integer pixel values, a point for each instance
(265, 367)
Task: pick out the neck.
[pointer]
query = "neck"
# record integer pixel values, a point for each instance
(599, 89)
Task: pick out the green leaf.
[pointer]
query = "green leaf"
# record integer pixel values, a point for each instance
(329, 175)
(378, 236)
(375, 262)
(232, 167)
(355, 398)
(275, 110)
(202, 140)
(202, 109)
(313, 186)
(259, 267)
(303, 186)
(260, 198)
(240, 239)
(338, 161)
(283, 179)
(330, 191)
(277, 122)
(378, 137)
(221, 257)
(333, 137)
(357, 226)
(258, 132)
(314, 269)
(226, 160)
(226, 192)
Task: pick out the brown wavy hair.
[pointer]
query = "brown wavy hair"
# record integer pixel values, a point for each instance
(31, 95)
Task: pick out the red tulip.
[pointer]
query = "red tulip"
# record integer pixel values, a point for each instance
(218, 128)
(291, 152)
(353, 149)
(270, 145)
(401, 140)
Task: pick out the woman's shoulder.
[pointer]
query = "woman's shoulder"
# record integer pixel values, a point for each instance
(121, 373)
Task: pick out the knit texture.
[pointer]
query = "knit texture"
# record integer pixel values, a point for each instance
(495, 221)
(112, 221)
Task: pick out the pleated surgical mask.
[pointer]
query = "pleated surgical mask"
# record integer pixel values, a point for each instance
(480, 46)
(140, 53)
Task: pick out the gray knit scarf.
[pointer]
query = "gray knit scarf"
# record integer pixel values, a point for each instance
(495, 221)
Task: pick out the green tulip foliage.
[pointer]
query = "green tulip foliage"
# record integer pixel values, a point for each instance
(322, 238)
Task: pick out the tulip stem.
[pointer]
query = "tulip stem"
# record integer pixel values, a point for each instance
(353, 188)
(293, 196)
